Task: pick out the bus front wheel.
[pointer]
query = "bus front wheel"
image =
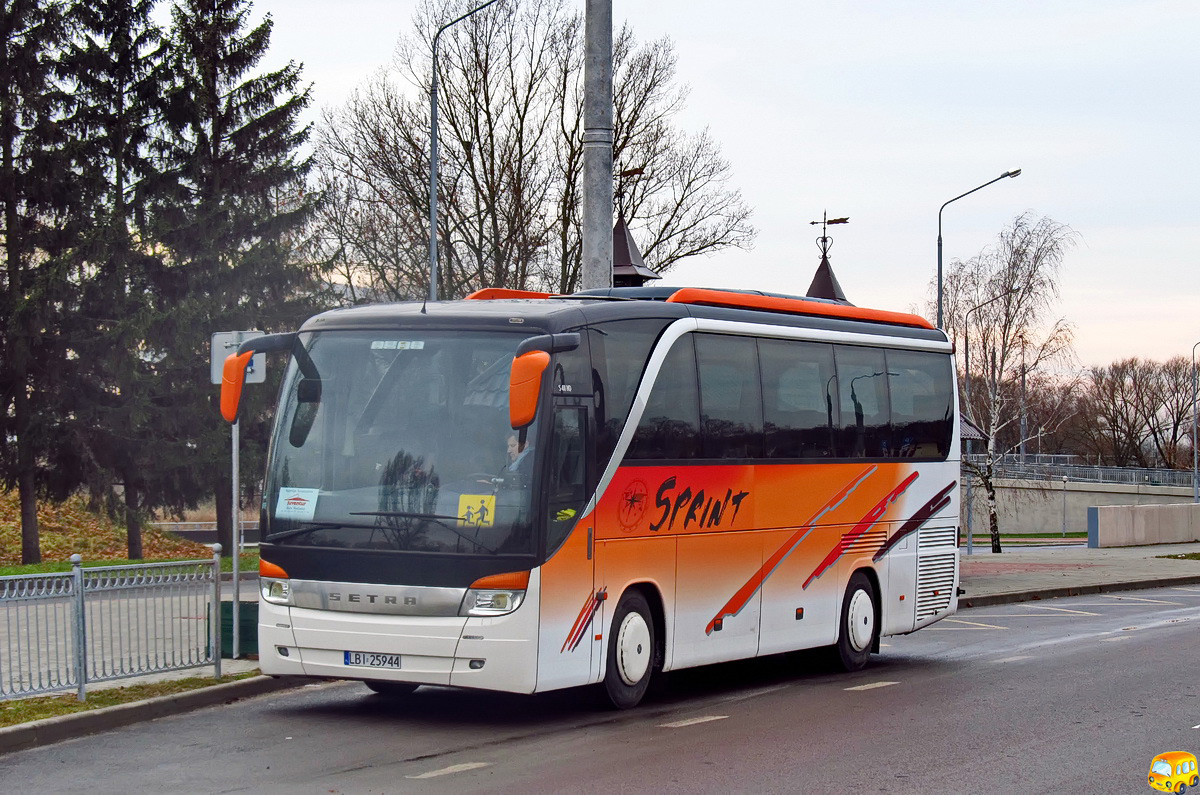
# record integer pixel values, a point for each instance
(631, 651)
(859, 628)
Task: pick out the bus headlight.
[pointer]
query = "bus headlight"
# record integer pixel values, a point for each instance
(491, 603)
(277, 592)
(495, 595)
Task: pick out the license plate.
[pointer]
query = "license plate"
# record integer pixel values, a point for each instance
(367, 659)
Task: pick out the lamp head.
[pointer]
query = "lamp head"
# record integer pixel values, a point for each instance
(1013, 173)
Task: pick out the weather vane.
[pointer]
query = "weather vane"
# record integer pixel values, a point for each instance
(825, 242)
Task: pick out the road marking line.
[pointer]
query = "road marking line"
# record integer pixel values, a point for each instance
(871, 686)
(956, 629)
(679, 724)
(762, 691)
(1113, 640)
(1140, 599)
(974, 623)
(1015, 659)
(1021, 615)
(1189, 590)
(1062, 610)
(445, 771)
(1196, 727)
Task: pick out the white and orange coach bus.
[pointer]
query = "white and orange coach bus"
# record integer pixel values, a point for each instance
(525, 492)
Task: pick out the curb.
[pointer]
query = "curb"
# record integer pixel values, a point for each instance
(990, 600)
(65, 727)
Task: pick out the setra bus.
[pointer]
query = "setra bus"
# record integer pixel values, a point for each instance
(525, 492)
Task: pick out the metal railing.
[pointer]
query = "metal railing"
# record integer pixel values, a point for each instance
(1011, 466)
(62, 631)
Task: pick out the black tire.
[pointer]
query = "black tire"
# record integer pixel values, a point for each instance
(392, 689)
(855, 642)
(1195, 780)
(632, 651)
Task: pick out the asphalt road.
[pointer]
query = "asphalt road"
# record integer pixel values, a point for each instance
(1063, 695)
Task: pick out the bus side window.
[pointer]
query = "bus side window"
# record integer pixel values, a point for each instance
(922, 410)
(800, 400)
(670, 425)
(567, 483)
(862, 384)
(730, 399)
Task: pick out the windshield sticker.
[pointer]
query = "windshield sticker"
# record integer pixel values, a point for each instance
(398, 345)
(298, 504)
(476, 510)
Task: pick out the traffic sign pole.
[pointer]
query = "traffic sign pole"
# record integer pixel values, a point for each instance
(223, 344)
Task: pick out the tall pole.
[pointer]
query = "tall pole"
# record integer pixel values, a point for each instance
(433, 151)
(1195, 481)
(236, 531)
(1015, 173)
(597, 147)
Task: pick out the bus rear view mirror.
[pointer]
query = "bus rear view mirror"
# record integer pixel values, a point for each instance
(233, 376)
(525, 386)
(525, 380)
(308, 398)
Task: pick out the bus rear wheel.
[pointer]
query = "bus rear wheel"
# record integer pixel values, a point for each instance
(391, 689)
(859, 628)
(631, 651)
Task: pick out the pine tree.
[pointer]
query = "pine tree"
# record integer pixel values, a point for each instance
(35, 187)
(231, 156)
(117, 67)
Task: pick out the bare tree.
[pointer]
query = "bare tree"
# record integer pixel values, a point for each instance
(1004, 300)
(511, 159)
(1137, 412)
(1113, 425)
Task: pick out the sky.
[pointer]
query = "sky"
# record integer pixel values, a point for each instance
(883, 111)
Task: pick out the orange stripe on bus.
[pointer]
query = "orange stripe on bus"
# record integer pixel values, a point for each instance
(793, 306)
(494, 293)
(873, 516)
(747, 591)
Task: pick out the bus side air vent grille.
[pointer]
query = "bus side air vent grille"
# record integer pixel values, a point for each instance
(935, 583)
(931, 538)
(867, 542)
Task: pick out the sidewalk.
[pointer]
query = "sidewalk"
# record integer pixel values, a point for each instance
(1020, 574)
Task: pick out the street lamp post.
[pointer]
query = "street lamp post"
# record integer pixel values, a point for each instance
(967, 387)
(1195, 482)
(433, 151)
(1015, 173)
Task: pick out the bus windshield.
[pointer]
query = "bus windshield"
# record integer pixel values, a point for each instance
(399, 440)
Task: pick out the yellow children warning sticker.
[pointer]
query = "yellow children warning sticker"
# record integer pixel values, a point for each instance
(476, 510)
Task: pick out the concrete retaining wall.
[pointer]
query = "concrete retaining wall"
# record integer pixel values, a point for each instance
(1138, 525)
(1036, 506)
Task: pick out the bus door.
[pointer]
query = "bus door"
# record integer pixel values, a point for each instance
(571, 608)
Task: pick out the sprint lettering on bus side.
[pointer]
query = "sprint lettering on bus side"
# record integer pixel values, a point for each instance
(702, 510)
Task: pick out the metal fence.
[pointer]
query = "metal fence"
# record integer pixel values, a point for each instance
(1011, 466)
(62, 631)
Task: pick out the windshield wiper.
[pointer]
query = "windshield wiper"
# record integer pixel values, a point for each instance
(437, 518)
(310, 528)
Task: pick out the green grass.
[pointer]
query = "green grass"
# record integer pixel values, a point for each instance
(24, 710)
(249, 562)
(1016, 538)
(1184, 556)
